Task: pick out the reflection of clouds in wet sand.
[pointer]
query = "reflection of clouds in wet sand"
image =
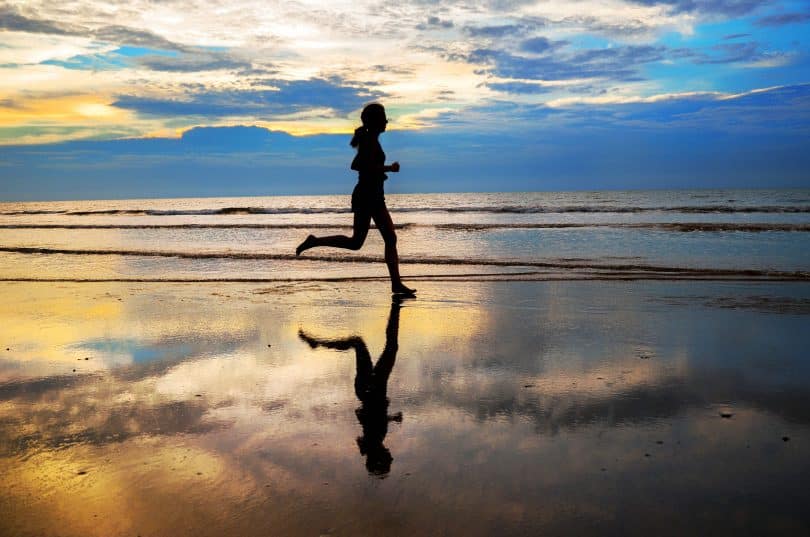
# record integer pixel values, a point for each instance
(506, 418)
(109, 325)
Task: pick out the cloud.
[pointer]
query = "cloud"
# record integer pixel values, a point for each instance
(540, 45)
(194, 61)
(393, 69)
(782, 19)
(723, 7)
(11, 20)
(747, 52)
(140, 38)
(238, 138)
(622, 27)
(518, 87)
(434, 22)
(616, 63)
(502, 30)
(472, 49)
(286, 97)
(730, 53)
(779, 109)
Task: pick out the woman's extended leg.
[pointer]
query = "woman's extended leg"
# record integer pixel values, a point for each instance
(386, 226)
(355, 242)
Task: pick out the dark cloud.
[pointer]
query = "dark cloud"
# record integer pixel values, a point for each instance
(494, 31)
(260, 70)
(53, 407)
(540, 45)
(236, 138)
(734, 36)
(723, 7)
(398, 70)
(617, 63)
(724, 53)
(782, 19)
(13, 21)
(785, 109)
(139, 38)
(517, 87)
(434, 22)
(191, 62)
(291, 96)
(594, 24)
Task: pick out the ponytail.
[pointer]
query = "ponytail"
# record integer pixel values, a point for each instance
(359, 133)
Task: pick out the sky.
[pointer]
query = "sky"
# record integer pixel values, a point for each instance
(137, 98)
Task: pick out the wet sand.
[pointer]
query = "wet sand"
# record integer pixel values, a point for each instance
(480, 408)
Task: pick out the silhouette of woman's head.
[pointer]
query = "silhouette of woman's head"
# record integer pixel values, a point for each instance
(374, 122)
(373, 117)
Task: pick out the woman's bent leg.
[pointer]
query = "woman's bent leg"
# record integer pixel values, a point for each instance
(355, 242)
(386, 226)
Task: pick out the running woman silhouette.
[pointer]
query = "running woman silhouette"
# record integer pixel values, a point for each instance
(368, 200)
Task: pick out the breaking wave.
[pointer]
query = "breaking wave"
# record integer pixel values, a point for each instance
(661, 226)
(629, 270)
(507, 209)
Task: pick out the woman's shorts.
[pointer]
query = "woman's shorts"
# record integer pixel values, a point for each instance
(367, 199)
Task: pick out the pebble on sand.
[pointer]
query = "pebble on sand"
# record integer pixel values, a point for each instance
(726, 415)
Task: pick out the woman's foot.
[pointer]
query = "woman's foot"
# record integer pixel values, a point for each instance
(308, 243)
(400, 289)
(311, 341)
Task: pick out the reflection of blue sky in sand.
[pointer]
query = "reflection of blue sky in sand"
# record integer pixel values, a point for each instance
(132, 351)
(513, 402)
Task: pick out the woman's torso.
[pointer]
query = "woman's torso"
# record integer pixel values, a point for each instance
(369, 162)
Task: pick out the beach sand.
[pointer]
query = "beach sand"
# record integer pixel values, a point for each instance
(516, 408)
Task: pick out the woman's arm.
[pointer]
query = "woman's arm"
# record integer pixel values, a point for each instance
(371, 159)
(360, 166)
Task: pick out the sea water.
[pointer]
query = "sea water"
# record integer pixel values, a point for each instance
(705, 234)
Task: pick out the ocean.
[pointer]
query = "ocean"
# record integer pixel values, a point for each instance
(686, 234)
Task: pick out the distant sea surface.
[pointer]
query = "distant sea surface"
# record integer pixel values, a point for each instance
(687, 234)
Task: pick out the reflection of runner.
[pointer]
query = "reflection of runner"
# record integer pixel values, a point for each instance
(368, 200)
(371, 387)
